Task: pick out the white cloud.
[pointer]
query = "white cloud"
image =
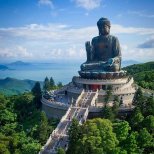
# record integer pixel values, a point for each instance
(138, 54)
(131, 30)
(124, 47)
(72, 51)
(147, 44)
(46, 2)
(141, 14)
(88, 4)
(60, 32)
(63, 41)
(16, 52)
(52, 32)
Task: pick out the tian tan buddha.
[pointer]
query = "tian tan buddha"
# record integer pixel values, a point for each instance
(103, 53)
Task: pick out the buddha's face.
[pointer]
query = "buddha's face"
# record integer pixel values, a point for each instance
(104, 30)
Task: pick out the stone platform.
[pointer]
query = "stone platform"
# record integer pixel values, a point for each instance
(102, 75)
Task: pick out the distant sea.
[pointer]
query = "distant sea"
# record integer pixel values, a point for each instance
(60, 71)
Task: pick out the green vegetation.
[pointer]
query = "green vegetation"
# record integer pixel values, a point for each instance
(143, 74)
(132, 135)
(50, 84)
(11, 86)
(24, 128)
(36, 90)
(61, 151)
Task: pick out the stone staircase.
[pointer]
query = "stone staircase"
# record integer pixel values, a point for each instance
(59, 137)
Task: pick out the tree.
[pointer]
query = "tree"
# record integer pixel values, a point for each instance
(23, 106)
(74, 134)
(139, 100)
(6, 114)
(149, 106)
(7, 117)
(130, 143)
(19, 122)
(36, 90)
(136, 118)
(4, 149)
(46, 85)
(3, 102)
(4, 144)
(43, 128)
(59, 84)
(91, 145)
(107, 113)
(61, 151)
(52, 83)
(115, 107)
(148, 123)
(121, 129)
(119, 150)
(144, 138)
(108, 94)
(31, 148)
(99, 134)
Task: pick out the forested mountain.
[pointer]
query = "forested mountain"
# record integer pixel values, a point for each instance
(11, 86)
(143, 74)
(24, 128)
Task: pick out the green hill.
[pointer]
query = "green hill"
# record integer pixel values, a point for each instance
(143, 74)
(11, 86)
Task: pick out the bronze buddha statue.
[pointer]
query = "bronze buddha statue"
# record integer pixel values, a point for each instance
(103, 53)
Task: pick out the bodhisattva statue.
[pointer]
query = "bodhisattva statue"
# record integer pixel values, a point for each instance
(103, 54)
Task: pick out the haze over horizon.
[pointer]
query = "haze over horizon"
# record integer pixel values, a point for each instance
(46, 30)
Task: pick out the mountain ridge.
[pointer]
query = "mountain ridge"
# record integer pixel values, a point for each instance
(12, 86)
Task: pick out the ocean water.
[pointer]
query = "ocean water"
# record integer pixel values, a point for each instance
(60, 71)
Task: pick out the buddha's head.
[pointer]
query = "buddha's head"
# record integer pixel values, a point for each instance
(103, 25)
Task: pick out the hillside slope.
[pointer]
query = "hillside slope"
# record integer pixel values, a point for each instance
(143, 74)
(10, 86)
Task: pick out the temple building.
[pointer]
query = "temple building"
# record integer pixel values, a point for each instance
(99, 74)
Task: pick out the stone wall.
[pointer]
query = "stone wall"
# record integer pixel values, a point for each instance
(53, 112)
(72, 96)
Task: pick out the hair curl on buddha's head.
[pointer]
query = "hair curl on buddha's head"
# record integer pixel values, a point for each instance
(103, 21)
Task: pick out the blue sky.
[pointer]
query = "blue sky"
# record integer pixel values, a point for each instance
(43, 30)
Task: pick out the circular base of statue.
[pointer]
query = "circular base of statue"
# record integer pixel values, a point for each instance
(102, 75)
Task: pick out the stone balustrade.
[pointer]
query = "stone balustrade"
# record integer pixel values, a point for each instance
(54, 104)
(94, 98)
(119, 91)
(97, 81)
(63, 88)
(74, 90)
(78, 99)
(127, 85)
